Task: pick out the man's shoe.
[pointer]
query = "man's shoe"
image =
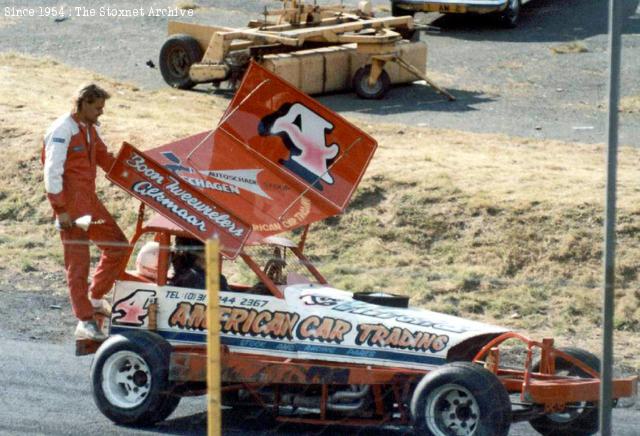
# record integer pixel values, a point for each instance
(89, 330)
(101, 306)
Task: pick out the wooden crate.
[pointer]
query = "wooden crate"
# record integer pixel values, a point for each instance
(331, 69)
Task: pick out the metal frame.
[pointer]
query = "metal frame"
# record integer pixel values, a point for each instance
(540, 392)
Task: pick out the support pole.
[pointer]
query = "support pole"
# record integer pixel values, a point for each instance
(615, 24)
(214, 419)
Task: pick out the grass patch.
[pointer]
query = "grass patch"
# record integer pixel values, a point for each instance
(187, 5)
(570, 47)
(630, 104)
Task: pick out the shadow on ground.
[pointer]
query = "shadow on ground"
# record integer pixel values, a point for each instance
(236, 422)
(400, 99)
(407, 98)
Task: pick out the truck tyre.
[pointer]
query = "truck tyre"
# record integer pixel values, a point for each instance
(580, 420)
(362, 87)
(130, 379)
(397, 11)
(177, 55)
(509, 17)
(461, 398)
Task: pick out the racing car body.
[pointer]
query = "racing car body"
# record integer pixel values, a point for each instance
(291, 342)
(310, 320)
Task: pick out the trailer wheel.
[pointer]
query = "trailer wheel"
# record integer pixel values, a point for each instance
(579, 419)
(130, 378)
(509, 17)
(177, 55)
(461, 399)
(362, 87)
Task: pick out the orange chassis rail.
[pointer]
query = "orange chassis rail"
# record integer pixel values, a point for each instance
(543, 388)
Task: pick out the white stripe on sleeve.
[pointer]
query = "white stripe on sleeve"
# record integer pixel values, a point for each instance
(56, 144)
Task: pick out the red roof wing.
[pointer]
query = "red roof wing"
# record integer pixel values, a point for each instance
(278, 159)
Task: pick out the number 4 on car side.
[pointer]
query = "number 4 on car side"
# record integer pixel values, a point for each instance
(291, 342)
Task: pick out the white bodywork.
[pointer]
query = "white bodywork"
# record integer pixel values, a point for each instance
(312, 322)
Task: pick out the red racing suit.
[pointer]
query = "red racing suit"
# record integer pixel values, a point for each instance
(70, 153)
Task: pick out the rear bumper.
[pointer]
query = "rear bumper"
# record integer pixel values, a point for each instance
(448, 6)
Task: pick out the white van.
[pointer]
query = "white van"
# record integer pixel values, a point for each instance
(508, 10)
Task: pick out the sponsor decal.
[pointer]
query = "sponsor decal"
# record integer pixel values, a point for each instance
(304, 133)
(323, 329)
(287, 223)
(171, 185)
(366, 309)
(378, 335)
(316, 300)
(189, 316)
(59, 140)
(265, 323)
(262, 323)
(133, 309)
(176, 166)
(232, 180)
(243, 179)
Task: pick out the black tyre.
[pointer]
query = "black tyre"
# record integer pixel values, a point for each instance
(382, 299)
(177, 55)
(461, 398)
(629, 8)
(510, 16)
(397, 11)
(130, 379)
(362, 87)
(579, 419)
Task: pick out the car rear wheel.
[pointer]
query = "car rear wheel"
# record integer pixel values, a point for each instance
(130, 378)
(580, 419)
(461, 399)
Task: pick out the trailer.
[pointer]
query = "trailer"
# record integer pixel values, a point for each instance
(317, 49)
(291, 343)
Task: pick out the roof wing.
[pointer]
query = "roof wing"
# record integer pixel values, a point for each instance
(278, 159)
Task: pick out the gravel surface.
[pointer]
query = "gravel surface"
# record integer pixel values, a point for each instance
(509, 81)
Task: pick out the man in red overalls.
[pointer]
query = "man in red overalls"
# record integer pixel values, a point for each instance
(72, 149)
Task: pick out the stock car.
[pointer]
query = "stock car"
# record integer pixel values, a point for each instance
(290, 342)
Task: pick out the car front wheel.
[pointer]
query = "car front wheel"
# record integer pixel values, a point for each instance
(130, 378)
(461, 399)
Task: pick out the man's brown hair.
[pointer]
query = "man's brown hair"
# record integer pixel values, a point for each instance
(89, 94)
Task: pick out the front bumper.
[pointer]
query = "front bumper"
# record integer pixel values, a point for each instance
(448, 6)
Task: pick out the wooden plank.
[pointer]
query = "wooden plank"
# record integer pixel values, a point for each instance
(377, 23)
(199, 32)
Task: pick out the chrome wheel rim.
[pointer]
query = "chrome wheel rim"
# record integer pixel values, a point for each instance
(452, 411)
(126, 379)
